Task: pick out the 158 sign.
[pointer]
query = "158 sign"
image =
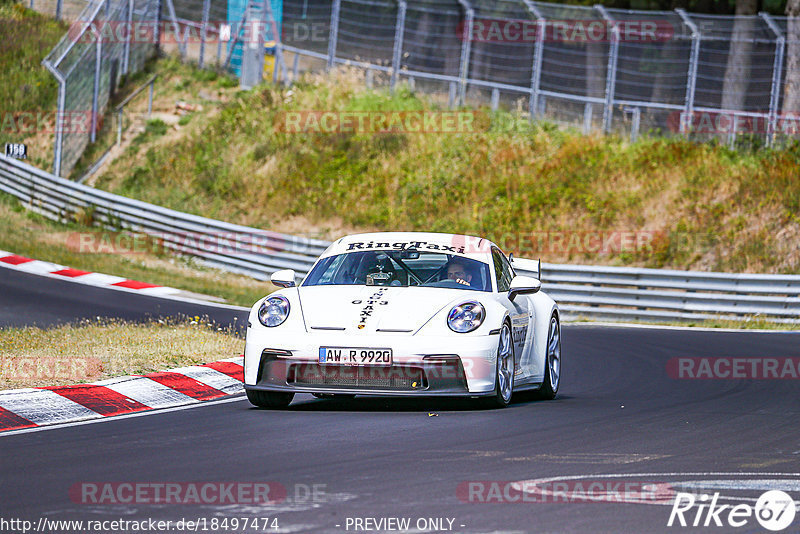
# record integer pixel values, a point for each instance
(16, 150)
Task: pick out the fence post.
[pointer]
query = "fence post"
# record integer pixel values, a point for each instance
(203, 29)
(276, 34)
(636, 118)
(59, 7)
(466, 48)
(587, 118)
(98, 60)
(397, 51)
(150, 98)
(691, 76)
(60, 118)
(777, 71)
(176, 29)
(127, 53)
(611, 75)
(538, 53)
(334, 35)
(157, 30)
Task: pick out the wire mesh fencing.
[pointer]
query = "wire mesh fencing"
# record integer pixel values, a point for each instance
(731, 78)
(107, 40)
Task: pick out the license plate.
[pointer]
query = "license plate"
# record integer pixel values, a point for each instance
(355, 356)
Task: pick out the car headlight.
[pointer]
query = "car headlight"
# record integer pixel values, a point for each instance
(273, 311)
(466, 317)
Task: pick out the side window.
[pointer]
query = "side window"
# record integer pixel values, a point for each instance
(502, 270)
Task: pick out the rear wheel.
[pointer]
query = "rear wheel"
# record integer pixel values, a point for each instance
(269, 399)
(552, 363)
(504, 375)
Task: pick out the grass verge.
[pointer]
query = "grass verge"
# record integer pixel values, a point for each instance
(91, 351)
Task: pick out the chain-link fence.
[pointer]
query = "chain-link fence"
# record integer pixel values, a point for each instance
(88, 63)
(663, 72)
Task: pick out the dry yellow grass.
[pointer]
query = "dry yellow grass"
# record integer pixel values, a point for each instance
(91, 351)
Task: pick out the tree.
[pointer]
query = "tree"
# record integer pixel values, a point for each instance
(791, 96)
(737, 71)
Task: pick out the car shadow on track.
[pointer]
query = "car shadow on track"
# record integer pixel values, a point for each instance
(432, 405)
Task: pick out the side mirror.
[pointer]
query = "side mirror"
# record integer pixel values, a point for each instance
(523, 285)
(284, 278)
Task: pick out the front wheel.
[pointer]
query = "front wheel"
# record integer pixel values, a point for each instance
(552, 363)
(269, 399)
(504, 375)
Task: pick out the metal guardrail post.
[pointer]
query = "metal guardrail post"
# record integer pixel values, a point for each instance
(397, 49)
(777, 71)
(466, 49)
(60, 118)
(691, 76)
(334, 33)
(203, 29)
(59, 8)
(611, 75)
(538, 54)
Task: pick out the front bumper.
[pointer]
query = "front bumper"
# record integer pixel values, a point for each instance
(421, 366)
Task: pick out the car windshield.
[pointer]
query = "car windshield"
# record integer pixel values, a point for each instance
(401, 268)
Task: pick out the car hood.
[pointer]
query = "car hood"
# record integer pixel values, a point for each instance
(370, 309)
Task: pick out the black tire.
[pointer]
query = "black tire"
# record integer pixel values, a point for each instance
(498, 400)
(548, 391)
(269, 399)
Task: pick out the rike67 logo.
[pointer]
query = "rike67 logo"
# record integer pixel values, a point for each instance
(774, 510)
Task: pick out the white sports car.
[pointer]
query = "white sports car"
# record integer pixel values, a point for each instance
(413, 314)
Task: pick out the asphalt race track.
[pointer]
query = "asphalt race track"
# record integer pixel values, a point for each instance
(30, 299)
(619, 417)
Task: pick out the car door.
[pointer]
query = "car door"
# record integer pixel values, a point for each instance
(520, 313)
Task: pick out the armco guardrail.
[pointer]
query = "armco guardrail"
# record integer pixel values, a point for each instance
(228, 246)
(590, 291)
